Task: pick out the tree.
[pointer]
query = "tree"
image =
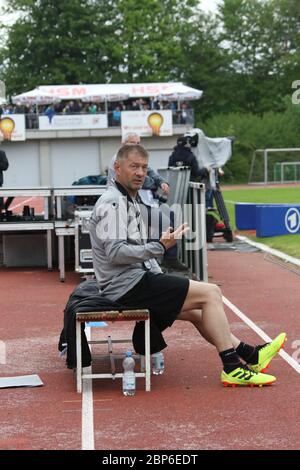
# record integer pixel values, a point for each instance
(94, 41)
(52, 42)
(262, 38)
(205, 64)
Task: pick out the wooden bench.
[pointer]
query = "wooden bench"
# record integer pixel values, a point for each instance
(112, 316)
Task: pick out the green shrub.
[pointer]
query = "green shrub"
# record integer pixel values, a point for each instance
(254, 132)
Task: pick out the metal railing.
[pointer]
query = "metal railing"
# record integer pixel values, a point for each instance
(178, 118)
(186, 200)
(193, 247)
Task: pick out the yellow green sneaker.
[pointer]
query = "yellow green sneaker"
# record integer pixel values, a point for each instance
(267, 352)
(242, 376)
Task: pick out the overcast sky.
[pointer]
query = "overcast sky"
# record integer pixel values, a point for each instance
(207, 5)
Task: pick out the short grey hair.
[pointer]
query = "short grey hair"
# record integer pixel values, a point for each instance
(126, 149)
(128, 135)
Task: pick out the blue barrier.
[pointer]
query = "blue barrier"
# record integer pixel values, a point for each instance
(277, 220)
(246, 214)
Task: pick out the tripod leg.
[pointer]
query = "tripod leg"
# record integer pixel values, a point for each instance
(223, 214)
(8, 202)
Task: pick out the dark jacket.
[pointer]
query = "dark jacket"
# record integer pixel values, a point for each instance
(183, 156)
(86, 298)
(3, 165)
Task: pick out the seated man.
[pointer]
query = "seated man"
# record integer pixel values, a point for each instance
(127, 271)
(152, 216)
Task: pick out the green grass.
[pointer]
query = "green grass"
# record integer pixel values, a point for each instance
(289, 244)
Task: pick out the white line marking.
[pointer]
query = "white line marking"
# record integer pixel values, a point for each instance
(261, 333)
(21, 203)
(87, 427)
(233, 202)
(272, 251)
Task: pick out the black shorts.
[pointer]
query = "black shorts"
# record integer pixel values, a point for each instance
(162, 294)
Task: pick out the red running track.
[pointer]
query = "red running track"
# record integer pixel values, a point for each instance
(187, 407)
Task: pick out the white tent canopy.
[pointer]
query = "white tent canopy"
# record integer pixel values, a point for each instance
(116, 92)
(35, 96)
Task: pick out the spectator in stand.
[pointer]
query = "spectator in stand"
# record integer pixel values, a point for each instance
(173, 106)
(31, 118)
(134, 106)
(116, 116)
(75, 107)
(8, 109)
(153, 103)
(185, 114)
(66, 109)
(59, 107)
(122, 106)
(92, 109)
(19, 109)
(140, 103)
(167, 105)
(145, 106)
(50, 112)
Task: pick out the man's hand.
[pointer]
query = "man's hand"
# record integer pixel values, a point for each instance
(169, 238)
(165, 188)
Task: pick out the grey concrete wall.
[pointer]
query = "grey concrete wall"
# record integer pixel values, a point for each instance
(24, 163)
(57, 158)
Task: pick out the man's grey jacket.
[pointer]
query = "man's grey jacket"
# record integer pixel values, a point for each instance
(121, 253)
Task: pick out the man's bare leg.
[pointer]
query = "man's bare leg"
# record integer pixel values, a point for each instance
(198, 323)
(203, 307)
(212, 319)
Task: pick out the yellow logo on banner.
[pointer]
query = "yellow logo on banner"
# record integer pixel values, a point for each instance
(7, 126)
(155, 121)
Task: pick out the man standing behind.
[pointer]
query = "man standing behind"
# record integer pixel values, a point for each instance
(3, 167)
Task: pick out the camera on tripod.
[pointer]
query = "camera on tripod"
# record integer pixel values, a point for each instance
(212, 153)
(188, 139)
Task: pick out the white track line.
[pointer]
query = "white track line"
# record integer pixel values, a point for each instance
(21, 203)
(261, 333)
(88, 438)
(272, 251)
(87, 427)
(234, 202)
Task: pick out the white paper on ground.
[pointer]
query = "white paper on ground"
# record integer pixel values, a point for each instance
(21, 381)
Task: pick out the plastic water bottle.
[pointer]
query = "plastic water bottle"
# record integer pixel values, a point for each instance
(128, 375)
(158, 363)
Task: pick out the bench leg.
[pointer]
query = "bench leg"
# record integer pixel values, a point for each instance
(147, 356)
(61, 257)
(78, 358)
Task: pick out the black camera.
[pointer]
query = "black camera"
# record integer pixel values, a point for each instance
(188, 138)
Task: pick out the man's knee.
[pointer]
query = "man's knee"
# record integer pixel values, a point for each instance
(214, 292)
